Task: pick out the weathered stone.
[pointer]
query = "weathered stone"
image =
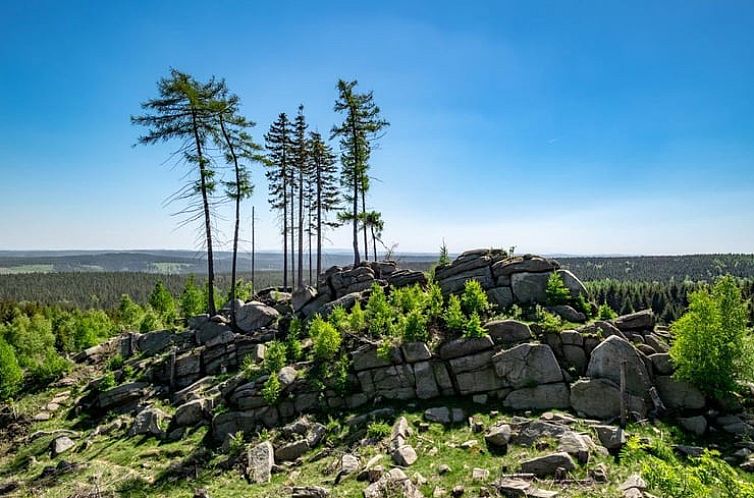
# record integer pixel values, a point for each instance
(315, 305)
(60, 445)
(444, 415)
(291, 451)
(465, 347)
(477, 381)
(600, 398)
(656, 343)
(478, 474)
(526, 365)
(349, 464)
(572, 283)
(662, 364)
(394, 483)
(287, 375)
(153, 342)
(416, 351)
(255, 315)
(444, 382)
(575, 445)
(404, 455)
(508, 332)
(301, 296)
(696, 425)
(606, 360)
(148, 421)
(529, 431)
(523, 264)
(501, 296)
(191, 413)
(346, 301)
(498, 436)
(641, 320)
(394, 382)
(259, 462)
(470, 363)
(575, 356)
(520, 488)
(567, 313)
(541, 397)
(529, 288)
(227, 423)
(426, 385)
(403, 278)
(611, 437)
(123, 397)
(679, 395)
(571, 338)
(634, 481)
(352, 280)
(366, 357)
(547, 465)
(457, 283)
(462, 265)
(309, 492)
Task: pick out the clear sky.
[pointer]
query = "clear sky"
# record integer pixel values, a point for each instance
(577, 127)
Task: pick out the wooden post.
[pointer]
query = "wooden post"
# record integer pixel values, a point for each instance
(623, 395)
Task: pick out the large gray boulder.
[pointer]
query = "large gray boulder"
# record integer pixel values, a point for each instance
(523, 264)
(600, 399)
(464, 347)
(122, 398)
(255, 315)
(259, 462)
(501, 296)
(191, 413)
(529, 288)
(573, 283)
(679, 395)
(527, 365)
(606, 361)
(302, 296)
(148, 422)
(508, 332)
(641, 320)
(547, 465)
(542, 397)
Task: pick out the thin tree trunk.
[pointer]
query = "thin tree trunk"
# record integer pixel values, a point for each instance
(356, 160)
(253, 253)
(285, 226)
(364, 221)
(293, 230)
(374, 244)
(237, 225)
(207, 221)
(309, 244)
(319, 222)
(300, 282)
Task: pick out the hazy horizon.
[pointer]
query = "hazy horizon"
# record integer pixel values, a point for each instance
(557, 127)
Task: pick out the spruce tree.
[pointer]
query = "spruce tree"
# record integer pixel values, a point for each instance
(358, 131)
(301, 164)
(278, 142)
(373, 221)
(183, 112)
(239, 149)
(324, 176)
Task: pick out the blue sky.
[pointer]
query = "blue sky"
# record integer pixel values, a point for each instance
(559, 127)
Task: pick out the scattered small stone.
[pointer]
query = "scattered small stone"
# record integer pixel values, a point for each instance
(633, 481)
(599, 473)
(404, 455)
(348, 464)
(480, 474)
(438, 492)
(471, 443)
(42, 416)
(309, 492)
(61, 445)
(612, 438)
(443, 469)
(457, 491)
(259, 462)
(201, 493)
(419, 479)
(548, 465)
(498, 436)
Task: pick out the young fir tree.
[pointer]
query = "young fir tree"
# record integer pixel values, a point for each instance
(358, 131)
(278, 142)
(182, 112)
(324, 176)
(240, 149)
(301, 164)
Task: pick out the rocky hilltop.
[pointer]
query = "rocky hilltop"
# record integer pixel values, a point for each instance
(168, 384)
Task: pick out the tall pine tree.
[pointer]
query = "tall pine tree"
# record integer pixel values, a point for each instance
(361, 126)
(279, 144)
(323, 173)
(301, 164)
(183, 112)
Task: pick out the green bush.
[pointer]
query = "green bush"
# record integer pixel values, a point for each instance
(357, 319)
(271, 389)
(129, 315)
(408, 299)
(326, 339)
(556, 292)
(151, 321)
(474, 299)
(434, 301)
(713, 349)
(50, 368)
(11, 374)
(378, 430)
(275, 356)
(473, 327)
(293, 341)
(115, 362)
(379, 313)
(162, 302)
(549, 322)
(605, 312)
(454, 318)
(339, 319)
(107, 382)
(192, 299)
(415, 327)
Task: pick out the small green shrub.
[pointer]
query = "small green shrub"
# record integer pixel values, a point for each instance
(474, 299)
(275, 356)
(378, 430)
(454, 318)
(339, 319)
(357, 319)
(434, 301)
(163, 302)
(408, 299)
(415, 327)
(115, 362)
(271, 389)
(444, 258)
(107, 382)
(326, 339)
(50, 368)
(713, 346)
(385, 348)
(151, 321)
(605, 312)
(250, 369)
(473, 327)
(380, 315)
(192, 299)
(556, 291)
(549, 322)
(293, 341)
